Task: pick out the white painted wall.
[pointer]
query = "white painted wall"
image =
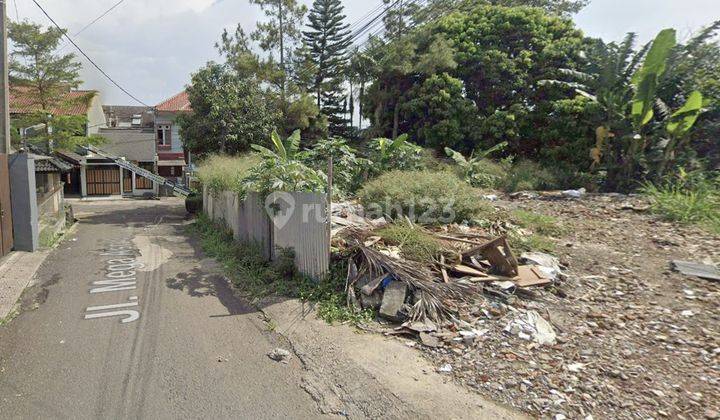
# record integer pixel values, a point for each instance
(96, 116)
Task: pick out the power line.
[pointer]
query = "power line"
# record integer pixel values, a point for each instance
(17, 14)
(99, 17)
(88, 58)
(93, 22)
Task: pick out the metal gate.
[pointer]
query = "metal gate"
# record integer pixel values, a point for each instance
(103, 180)
(6, 229)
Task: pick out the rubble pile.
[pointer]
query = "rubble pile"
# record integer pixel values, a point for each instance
(605, 328)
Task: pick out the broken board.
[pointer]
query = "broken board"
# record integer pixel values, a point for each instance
(704, 271)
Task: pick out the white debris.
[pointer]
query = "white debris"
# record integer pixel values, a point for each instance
(446, 368)
(575, 367)
(574, 193)
(687, 313)
(548, 264)
(279, 355)
(532, 327)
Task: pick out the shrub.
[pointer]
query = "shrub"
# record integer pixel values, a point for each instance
(347, 166)
(282, 170)
(400, 154)
(428, 197)
(226, 173)
(687, 198)
(526, 175)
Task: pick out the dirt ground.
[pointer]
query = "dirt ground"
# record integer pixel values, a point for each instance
(634, 338)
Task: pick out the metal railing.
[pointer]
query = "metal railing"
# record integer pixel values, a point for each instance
(177, 189)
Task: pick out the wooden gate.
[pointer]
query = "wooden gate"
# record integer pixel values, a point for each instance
(6, 229)
(103, 180)
(127, 181)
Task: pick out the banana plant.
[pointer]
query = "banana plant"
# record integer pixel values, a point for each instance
(387, 154)
(473, 168)
(283, 150)
(679, 125)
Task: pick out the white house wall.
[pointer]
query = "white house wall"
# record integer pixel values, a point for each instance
(176, 141)
(96, 116)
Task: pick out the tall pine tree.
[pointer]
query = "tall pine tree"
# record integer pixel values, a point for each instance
(327, 41)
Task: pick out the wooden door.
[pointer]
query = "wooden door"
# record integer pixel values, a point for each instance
(127, 181)
(6, 229)
(142, 183)
(103, 180)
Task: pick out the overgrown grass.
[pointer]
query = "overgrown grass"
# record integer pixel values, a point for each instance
(425, 197)
(527, 175)
(415, 243)
(256, 278)
(687, 199)
(538, 223)
(226, 173)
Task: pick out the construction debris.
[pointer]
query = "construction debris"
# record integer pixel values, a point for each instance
(279, 355)
(470, 269)
(531, 326)
(704, 271)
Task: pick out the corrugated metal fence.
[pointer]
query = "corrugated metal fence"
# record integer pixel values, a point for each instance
(296, 221)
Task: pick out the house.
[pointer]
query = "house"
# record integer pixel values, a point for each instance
(97, 176)
(124, 116)
(172, 158)
(38, 200)
(74, 103)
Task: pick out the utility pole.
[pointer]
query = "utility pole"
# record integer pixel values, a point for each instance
(4, 85)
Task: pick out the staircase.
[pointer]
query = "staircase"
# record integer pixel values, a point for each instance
(178, 190)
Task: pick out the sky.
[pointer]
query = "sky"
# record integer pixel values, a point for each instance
(151, 47)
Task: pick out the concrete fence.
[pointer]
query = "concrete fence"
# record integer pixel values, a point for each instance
(297, 221)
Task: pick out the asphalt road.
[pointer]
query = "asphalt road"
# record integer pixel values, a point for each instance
(177, 343)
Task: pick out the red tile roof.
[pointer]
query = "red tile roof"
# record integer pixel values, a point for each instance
(179, 102)
(24, 101)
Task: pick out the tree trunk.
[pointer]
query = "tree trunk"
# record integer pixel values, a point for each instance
(281, 34)
(396, 120)
(351, 108)
(360, 102)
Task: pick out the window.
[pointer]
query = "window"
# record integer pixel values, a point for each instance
(163, 134)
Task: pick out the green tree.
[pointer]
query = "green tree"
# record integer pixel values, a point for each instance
(400, 17)
(279, 35)
(440, 113)
(435, 8)
(327, 40)
(41, 74)
(229, 112)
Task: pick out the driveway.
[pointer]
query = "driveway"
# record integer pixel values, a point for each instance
(123, 320)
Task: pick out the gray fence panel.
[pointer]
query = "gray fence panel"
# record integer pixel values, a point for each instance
(305, 230)
(255, 223)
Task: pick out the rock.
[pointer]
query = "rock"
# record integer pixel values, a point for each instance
(429, 340)
(393, 300)
(279, 355)
(711, 414)
(372, 301)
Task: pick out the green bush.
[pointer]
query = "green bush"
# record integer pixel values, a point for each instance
(401, 154)
(226, 173)
(688, 199)
(427, 197)
(415, 243)
(527, 175)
